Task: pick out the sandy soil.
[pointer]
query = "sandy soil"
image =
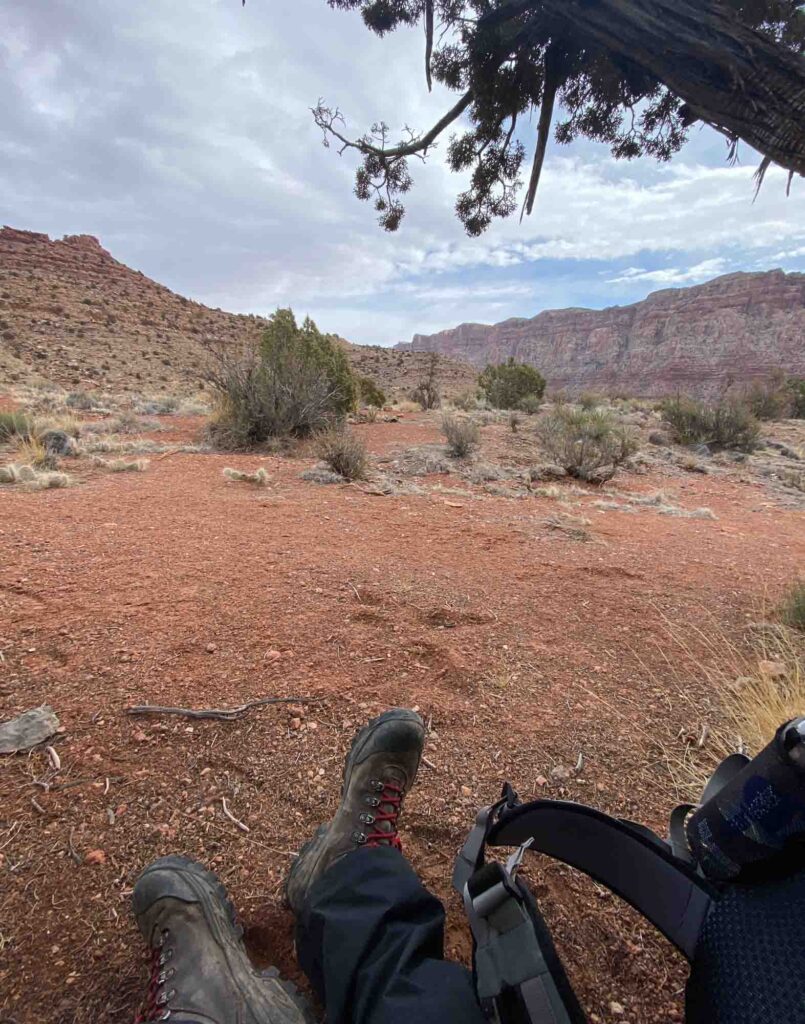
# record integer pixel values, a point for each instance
(521, 646)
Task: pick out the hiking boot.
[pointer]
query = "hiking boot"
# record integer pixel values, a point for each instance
(379, 771)
(200, 973)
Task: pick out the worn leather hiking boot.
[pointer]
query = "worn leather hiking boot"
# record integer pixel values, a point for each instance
(200, 973)
(379, 771)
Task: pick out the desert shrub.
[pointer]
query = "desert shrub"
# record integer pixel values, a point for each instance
(768, 399)
(530, 405)
(793, 610)
(292, 383)
(159, 405)
(13, 425)
(259, 478)
(83, 400)
(406, 405)
(57, 442)
(467, 401)
(462, 435)
(796, 390)
(590, 400)
(727, 423)
(427, 392)
(343, 451)
(505, 385)
(369, 393)
(589, 445)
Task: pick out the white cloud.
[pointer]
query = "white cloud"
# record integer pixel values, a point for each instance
(673, 275)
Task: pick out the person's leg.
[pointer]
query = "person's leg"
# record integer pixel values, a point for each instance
(371, 943)
(369, 936)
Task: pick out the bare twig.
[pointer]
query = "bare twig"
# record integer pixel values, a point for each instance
(232, 818)
(37, 806)
(225, 714)
(429, 764)
(53, 757)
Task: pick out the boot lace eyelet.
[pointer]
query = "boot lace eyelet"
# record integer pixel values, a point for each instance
(366, 818)
(372, 801)
(377, 786)
(358, 837)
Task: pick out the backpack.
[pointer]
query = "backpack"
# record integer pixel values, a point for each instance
(727, 889)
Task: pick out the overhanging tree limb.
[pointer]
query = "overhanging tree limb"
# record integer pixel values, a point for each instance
(736, 79)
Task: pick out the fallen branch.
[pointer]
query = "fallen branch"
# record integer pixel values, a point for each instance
(232, 818)
(225, 714)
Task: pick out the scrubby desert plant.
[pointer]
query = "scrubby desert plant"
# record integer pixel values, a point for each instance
(427, 393)
(129, 423)
(727, 423)
(768, 399)
(467, 401)
(462, 435)
(369, 393)
(793, 609)
(159, 405)
(530, 405)
(85, 401)
(292, 383)
(587, 445)
(590, 400)
(14, 425)
(506, 385)
(343, 451)
(259, 478)
(796, 389)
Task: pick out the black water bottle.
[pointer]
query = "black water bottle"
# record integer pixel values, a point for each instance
(756, 822)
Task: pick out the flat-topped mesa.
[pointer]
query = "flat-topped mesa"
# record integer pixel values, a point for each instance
(8, 234)
(738, 327)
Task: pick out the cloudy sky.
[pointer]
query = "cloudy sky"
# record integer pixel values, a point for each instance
(179, 132)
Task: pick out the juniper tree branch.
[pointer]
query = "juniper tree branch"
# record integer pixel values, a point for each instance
(326, 120)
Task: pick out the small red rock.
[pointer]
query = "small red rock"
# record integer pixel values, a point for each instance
(95, 857)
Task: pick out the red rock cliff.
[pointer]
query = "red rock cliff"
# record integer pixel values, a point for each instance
(736, 327)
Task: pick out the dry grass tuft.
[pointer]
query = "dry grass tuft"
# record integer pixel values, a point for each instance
(31, 452)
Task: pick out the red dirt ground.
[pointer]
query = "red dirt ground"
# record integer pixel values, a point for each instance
(522, 647)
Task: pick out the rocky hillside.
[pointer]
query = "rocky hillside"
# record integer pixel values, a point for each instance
(736, 327)
(72, 315)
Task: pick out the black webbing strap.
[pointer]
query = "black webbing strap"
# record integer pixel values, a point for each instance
(634, 863)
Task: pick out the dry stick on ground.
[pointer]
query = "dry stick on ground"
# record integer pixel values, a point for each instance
(225, 714)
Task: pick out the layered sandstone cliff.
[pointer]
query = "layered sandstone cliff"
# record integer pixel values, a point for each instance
(734, 328)
(72, 315)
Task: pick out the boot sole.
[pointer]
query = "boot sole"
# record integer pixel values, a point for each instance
(357, 746)
(207, 886)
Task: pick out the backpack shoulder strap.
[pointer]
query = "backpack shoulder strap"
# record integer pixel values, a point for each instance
(628, 859)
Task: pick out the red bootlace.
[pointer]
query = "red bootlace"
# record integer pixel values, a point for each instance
(152, 1008)
(392, 794)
